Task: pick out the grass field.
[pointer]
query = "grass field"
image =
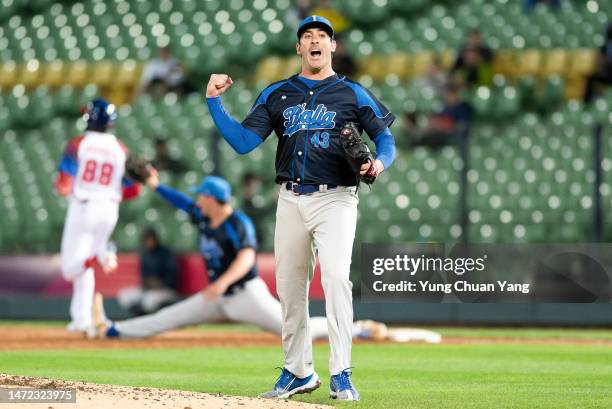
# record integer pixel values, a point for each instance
(493, 375)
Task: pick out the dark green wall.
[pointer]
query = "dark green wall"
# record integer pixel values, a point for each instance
(21, 307)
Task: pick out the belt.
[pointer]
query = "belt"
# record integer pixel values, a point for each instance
(307, 188)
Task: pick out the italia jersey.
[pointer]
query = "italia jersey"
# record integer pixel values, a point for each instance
(220, 246)
(307, 122)
(96, 162)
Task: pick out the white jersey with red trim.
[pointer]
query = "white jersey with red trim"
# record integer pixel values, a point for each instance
(101, 167)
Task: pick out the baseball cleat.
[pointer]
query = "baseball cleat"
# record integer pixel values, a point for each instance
(288, 385)
(108, 259)
(341, 388)
(368, 329)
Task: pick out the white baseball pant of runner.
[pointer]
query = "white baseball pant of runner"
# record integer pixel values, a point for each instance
(323, 223)
(252, 304)
(88, 227)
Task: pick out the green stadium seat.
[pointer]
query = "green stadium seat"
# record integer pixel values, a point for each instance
(519, 161)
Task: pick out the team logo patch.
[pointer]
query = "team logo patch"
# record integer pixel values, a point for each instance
(299, 118)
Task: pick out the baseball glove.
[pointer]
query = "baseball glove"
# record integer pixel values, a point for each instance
(357, 153)
(137, 168)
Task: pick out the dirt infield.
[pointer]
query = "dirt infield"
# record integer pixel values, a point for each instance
(37, 337)
(23, 337)
(93, 396)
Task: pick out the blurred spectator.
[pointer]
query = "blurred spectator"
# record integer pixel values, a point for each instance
(342, 62)
(473, 64)
(325, 9)
(443, 127)
(553, 4)
(158, 272)
(254, 205)
(163, 160)
(603, 75)
(298, 12)
(475, 41)
(435, 78)
(162, 74)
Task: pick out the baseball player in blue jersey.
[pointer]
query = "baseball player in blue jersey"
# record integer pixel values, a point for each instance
(317, 205)
(235, 292)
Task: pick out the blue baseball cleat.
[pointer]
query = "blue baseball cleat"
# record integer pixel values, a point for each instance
(341, 388)
(288, 385)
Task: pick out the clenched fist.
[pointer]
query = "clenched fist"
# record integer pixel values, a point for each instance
(218, 84)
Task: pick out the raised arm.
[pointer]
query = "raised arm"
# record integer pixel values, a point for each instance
(240, 138)
(174, 197)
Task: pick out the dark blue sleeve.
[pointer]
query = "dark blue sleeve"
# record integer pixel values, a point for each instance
(243, 140)
(373, 115)
(258, 119)
(179, 200)
(246, 232)
(385, 147)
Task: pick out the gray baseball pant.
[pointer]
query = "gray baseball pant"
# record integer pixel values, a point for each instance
(252, 304)
(323, 223)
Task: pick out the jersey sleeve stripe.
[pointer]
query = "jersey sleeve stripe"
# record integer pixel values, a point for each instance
(364, 99)
(233, 235)
(248, 227)
(263, 97)
(69, 163)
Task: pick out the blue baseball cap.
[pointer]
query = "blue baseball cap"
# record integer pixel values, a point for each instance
(216, 187)
(100, 114)
(315, 21)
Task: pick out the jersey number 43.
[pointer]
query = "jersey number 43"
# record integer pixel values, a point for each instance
(320, 139)
(105, 174)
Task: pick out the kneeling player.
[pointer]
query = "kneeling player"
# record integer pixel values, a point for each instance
(236, 292)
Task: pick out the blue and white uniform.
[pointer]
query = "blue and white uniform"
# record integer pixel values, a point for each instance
(248, 300)
(317, 206)
(219, 246)
(307, 116)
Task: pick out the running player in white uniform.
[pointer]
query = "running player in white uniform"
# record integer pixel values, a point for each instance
(91, 175)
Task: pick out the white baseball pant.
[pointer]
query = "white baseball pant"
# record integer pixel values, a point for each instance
(323, 223)
(252, 304)
(148, 300)
(87, 230)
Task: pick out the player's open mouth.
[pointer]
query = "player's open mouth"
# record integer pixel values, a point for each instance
(315, 53)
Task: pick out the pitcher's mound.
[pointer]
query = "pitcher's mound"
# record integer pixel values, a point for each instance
(93, 396)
